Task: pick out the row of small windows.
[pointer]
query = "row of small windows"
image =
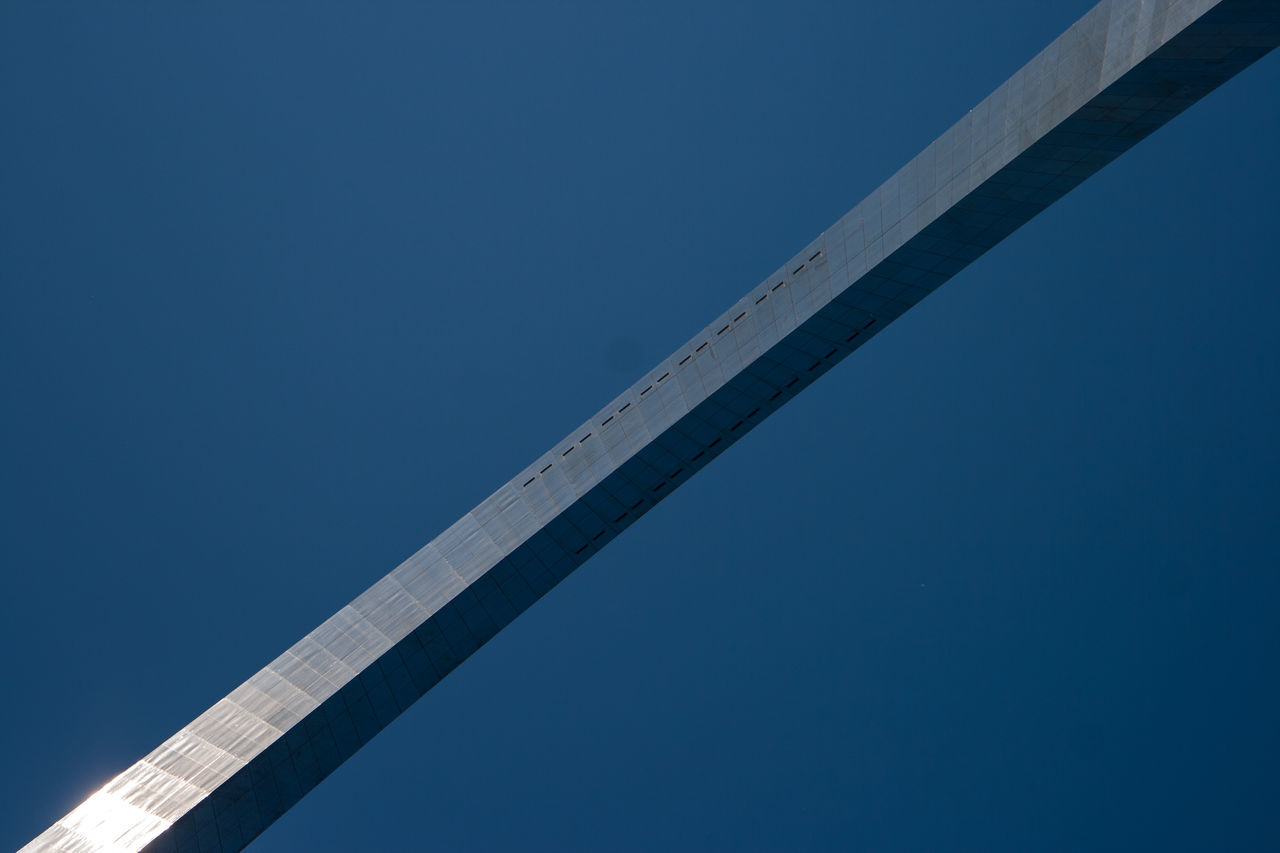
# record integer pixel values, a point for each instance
(660, 486)
(686, 360)
(717, 440)
(797, 270)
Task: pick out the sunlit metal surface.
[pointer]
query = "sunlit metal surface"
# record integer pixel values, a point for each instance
(1114, 77)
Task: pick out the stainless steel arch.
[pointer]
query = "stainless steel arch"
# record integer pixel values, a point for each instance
(1114, 77)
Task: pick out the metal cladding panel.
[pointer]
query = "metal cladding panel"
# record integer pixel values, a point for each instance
(1119, 73)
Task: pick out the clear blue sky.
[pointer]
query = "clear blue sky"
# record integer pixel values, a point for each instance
(289, 288)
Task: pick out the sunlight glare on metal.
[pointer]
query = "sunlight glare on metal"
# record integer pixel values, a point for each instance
(111, 825)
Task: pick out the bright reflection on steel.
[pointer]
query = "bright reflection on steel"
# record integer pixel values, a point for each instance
(109, 824)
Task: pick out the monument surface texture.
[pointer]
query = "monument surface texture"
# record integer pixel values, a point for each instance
(1114, 77)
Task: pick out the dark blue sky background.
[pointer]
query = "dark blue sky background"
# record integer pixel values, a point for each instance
(289, 288)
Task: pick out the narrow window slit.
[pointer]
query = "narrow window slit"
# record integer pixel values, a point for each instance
(636, 505)
(735, 426)
(775, 396)
(646, 391)
(686, 358)
(814, 366)
(677, 473)
(597, 536)
(624, 408)
(567, 452)
(699, 455)
(583, 548)
(584, 438)
(754, 412)
(618, 520)
(664, 376)
(851, 337)
(793, 381)
(658, 487)
(796, 271)
(815, 256)
(828, 355)
(545, 470)
(740, 316)
(722, 331)
(867, 324)
(701, 348)
(762, 299)
(779, 284)
(714, 443)
(606, 420)
(531, 479)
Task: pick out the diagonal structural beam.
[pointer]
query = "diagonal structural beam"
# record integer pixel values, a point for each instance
(1118, 74)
